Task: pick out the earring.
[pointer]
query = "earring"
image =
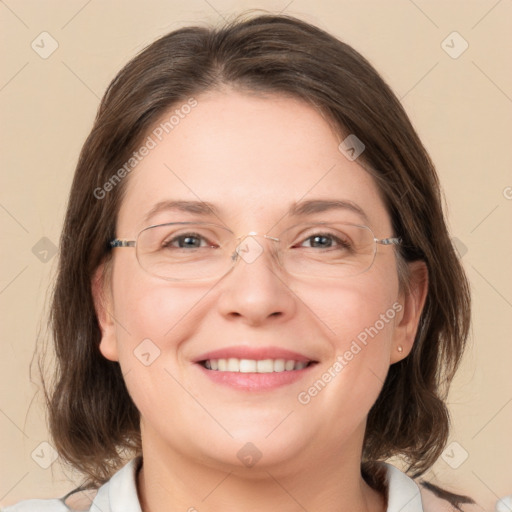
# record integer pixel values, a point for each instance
(400, 348)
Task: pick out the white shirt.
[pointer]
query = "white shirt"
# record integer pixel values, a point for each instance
(119, 494)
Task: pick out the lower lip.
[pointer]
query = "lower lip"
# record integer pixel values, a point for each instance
(255, 381)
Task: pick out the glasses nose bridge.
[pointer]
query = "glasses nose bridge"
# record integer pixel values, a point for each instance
(247, 248)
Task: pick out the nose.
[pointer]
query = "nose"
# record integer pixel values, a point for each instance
(256, 291)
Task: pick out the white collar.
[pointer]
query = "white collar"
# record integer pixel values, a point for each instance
(119, 494)
(403, 493)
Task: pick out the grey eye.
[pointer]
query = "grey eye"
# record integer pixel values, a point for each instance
(188, 240)
(321, 241)
(324, 241)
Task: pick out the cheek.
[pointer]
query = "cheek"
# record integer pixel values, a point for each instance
(359, 320)
(349, 309)
(153, 319)
(155, 310)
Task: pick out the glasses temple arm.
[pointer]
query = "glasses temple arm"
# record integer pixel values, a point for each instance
(121, 243)
(389, 241)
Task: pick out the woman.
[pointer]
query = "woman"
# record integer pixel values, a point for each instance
(258, 301)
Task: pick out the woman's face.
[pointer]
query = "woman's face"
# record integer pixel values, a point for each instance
(252, 159)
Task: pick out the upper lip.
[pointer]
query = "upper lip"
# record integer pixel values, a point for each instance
(256, 353)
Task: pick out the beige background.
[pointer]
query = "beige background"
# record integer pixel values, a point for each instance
(461, 107)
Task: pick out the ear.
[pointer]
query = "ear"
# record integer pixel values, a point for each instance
(103, 304)
(412, 301)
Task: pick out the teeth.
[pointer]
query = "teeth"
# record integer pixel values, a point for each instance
(265, 366)
(248, 366)
(279, 365)
(254, 366)
(289, 365)
(233, 365)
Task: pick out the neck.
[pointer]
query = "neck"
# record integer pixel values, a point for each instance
(169, 480)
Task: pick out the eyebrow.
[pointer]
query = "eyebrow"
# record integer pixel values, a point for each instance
(298, 209)
(323, 205)
(196, 207)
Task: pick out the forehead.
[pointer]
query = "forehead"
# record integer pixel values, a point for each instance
(252, 157)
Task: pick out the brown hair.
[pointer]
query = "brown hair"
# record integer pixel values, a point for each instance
(92, 418)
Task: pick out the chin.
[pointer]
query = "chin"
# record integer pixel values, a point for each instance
(253, 449)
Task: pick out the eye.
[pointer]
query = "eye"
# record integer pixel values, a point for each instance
(186, 241)
(326, 241)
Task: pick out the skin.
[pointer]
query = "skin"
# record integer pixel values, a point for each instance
(252, 157)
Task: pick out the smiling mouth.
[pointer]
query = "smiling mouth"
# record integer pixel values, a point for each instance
(255, 365)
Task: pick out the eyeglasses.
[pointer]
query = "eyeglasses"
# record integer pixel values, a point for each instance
(185, 251)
